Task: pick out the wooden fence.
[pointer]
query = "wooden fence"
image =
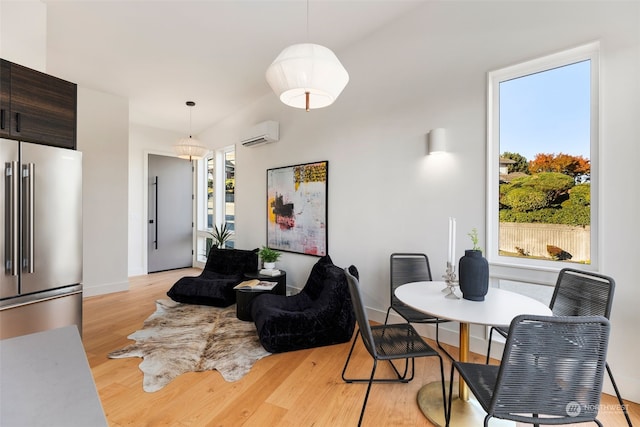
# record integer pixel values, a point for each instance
(534, 238)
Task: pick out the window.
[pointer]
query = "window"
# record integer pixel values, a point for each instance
(215, 202)
(210, 192)
(229, 192)
(542, 161)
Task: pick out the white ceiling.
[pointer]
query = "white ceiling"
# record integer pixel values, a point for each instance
(160, 54)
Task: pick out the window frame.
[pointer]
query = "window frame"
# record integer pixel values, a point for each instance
(220, 183)
(201, 208)
(591, 52)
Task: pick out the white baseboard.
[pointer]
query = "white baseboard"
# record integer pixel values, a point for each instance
(137, 272)
(106, 288)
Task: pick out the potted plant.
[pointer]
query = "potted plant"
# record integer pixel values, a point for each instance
(220, 235)
(473, 270)
(474, 239)
(269, 257)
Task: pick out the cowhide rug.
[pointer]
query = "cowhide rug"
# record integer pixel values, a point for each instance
(181, 338)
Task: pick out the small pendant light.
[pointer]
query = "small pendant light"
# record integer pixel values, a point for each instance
(190, 148)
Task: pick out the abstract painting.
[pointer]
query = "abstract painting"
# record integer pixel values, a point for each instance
(297, 208)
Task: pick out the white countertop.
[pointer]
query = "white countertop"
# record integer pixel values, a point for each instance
(45, 380)
(498, 308)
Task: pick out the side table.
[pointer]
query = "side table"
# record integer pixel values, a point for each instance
(245, 296)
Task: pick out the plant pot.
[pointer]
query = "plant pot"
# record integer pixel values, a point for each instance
(269, 265)
(473, 270)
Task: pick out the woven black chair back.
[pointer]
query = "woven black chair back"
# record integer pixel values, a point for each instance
(580, 293)
(406, 268)
(361, 314)
(552, 366)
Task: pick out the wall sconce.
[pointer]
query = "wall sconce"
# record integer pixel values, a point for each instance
(437, 141)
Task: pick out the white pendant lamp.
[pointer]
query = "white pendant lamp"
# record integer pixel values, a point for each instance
(190, 148)
(307, 75)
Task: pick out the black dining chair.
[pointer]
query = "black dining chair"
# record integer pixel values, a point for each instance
(551, 371)
(406, 268)
(580, 293)
(387, 342)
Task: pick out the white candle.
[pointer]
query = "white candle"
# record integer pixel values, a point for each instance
(453, 245)
(450, 241)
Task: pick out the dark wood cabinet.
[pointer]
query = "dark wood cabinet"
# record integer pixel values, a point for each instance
(37, 107)
(5, 97)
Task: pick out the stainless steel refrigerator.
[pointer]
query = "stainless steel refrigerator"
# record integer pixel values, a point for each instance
(41, 231)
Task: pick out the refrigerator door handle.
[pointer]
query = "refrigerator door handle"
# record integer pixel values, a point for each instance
(28, 171)
(13, 225)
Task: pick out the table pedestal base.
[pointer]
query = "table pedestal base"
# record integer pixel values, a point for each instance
(463, 413)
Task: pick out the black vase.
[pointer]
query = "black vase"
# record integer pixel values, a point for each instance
(473, 270)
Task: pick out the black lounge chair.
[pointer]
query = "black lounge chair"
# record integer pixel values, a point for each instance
(225, 268)
(320, 314)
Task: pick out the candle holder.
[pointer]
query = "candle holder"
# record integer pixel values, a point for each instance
(450, 279)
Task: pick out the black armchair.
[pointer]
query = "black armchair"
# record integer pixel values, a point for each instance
(320, 314)
(225, 268)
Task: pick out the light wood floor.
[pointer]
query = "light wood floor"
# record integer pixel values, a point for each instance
(301, 388)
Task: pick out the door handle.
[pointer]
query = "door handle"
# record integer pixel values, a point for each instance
(156, 220)
(12, 224)
(28, 214)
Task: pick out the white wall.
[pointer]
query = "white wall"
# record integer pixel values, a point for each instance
(143, 141)
(429, 70)
(23, 33)
(103, 139)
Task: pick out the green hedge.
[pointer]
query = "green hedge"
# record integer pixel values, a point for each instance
(549, 197)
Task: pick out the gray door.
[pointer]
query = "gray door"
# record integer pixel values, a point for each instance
(170, 214)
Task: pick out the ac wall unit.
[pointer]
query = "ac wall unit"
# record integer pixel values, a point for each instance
(261, 133)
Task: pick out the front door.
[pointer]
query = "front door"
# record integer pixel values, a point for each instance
(170, 227)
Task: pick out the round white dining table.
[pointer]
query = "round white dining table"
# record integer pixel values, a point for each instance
(498, 309)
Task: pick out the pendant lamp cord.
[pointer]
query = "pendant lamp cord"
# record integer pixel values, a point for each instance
(190, 104)
(306, 94)
(307, 21)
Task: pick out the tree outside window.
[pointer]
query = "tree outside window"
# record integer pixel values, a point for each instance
(542, 133)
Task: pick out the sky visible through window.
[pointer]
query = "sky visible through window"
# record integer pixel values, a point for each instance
(545, 217)
(547, 112)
